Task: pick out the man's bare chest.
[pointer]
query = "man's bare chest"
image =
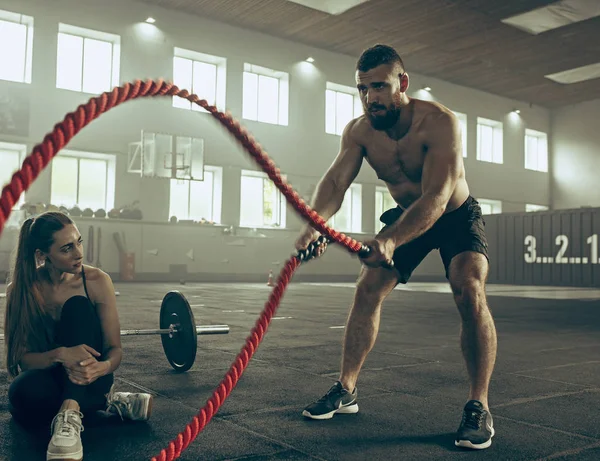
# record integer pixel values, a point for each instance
(396, 162)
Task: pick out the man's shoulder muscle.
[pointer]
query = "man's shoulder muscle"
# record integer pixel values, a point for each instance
(357, 130)
(440, 126)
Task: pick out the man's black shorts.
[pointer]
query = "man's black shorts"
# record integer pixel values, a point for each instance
(456, 232)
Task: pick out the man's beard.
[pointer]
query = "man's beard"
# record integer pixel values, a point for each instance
(385, 121)
(389, 118)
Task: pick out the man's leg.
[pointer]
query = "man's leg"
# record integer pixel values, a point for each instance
(467, 275)
(362, 326)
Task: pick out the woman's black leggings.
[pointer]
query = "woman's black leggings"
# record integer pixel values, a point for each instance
(35, 396)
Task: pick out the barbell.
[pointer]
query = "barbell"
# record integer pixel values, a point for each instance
(178, 331)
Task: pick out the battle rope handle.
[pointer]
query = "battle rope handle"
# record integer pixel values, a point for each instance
(73, 122)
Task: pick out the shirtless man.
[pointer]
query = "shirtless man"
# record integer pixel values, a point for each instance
(415, 147)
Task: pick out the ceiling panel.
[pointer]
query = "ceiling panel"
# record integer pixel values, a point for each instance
(459, 41)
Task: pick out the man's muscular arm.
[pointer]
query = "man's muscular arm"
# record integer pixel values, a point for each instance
(441, 170)
(329, 193)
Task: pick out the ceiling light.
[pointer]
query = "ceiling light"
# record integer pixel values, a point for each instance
(427, 88)
(310, 59)
(150, 20)
(576, 75)
(516, 111)
(330, 6)
(555, 15)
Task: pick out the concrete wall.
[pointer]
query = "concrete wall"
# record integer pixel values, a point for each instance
(302, 150)
(576, 155)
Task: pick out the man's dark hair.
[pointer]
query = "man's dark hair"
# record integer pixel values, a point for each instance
(378, 55)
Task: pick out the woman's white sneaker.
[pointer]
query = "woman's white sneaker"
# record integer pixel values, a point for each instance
(130, 405)
(65, 443)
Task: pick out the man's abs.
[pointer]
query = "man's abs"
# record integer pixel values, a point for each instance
(405, 194)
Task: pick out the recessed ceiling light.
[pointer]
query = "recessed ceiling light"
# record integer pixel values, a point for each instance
(427, 88)
(310, 59)
(150, 20)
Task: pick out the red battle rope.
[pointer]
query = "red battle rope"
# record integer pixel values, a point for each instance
(73, 122)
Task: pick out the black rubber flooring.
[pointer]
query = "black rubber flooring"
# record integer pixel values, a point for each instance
(544, 394)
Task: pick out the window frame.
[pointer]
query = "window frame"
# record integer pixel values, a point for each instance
(282, 94)
(282, 202)
(90, 34)
(29, 23)
(21, 151)
(220, 64)
(216, 194)
(335, 89)
(497, 127)
(111, 160)
(353, 192)
(540, 137)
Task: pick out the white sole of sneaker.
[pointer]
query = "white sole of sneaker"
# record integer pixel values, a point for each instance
(78, 456)
(350, 409)
(473, 446)
(148, 407)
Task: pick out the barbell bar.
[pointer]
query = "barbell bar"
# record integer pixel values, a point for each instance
(178, 331)
(205, 330)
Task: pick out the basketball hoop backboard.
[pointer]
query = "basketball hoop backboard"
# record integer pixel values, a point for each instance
(162, 155)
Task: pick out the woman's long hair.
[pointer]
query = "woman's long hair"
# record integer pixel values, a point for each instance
(26, 325)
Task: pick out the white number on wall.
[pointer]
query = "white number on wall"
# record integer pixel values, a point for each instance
(563, 241)
(593, 241)
(531, 253)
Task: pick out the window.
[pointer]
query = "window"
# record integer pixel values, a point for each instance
(383, 202)
(529, 207)
(266, 95)
(87, 60)
(349, 216)
(342, 104)
(489, 140)
(201, 74)
(261, 203)
(462, 119)
(11, 159)
(536, 150)
(198, 200)
(490, 206)
(16, 52)
(84, 179)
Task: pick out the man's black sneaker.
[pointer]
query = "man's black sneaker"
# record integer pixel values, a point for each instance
(476, 428)
(337, 400)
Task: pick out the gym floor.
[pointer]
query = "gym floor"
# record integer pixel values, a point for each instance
(544, 393)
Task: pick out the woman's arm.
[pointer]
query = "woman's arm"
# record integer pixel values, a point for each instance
(41, 360)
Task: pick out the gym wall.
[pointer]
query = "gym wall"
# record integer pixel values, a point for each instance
(548, 248)
(575, 144)
(302, 149)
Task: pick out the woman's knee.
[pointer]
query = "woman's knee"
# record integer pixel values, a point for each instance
(79, 324)
(77, 308)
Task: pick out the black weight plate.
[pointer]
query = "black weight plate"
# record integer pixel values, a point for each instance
(180, 348)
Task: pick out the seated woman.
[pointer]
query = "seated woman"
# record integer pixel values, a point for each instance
(62, 337)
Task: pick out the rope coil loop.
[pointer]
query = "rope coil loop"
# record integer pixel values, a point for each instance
(75, 121)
